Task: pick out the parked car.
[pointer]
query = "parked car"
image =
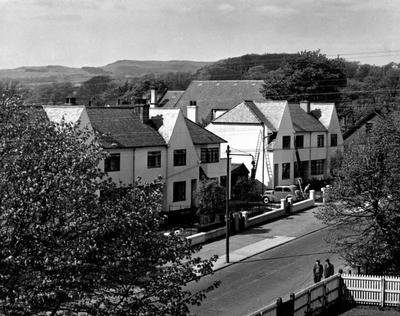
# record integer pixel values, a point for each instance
(282, 192)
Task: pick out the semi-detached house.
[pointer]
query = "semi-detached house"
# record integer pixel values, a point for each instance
(286, 141)
(146, 143)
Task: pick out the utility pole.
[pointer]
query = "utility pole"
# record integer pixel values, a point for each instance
(263, 160)
(227, 217)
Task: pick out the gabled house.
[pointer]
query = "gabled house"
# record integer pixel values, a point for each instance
(146, 143)
(281, 141)
(205, 100)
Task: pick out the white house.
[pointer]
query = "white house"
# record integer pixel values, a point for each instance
(293, 140)
(149, 143)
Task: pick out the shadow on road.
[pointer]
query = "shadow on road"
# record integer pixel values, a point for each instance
(286, 257)
(254, 231)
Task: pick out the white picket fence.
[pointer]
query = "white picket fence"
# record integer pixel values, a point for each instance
(372, 289)
(357, 289)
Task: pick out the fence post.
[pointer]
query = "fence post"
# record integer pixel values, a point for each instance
(308, 301)
(279, 306)
(382, 291)
(312, 195)
(292, 297)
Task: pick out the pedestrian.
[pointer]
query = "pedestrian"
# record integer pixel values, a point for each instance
(318, 270)
(329, 269)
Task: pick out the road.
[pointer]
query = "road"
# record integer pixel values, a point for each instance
(251, 284)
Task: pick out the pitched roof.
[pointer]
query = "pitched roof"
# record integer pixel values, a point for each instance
(170, 98)
(219, 94)
(68, 113)
(201, 136)
(267, 112)
(367, 117)
(120, 126)
(303, 122)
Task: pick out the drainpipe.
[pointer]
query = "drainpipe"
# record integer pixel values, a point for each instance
(328, 158)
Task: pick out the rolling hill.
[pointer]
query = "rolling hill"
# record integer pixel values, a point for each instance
(122, 69)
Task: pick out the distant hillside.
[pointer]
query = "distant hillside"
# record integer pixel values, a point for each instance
(118, 70)
(251, 66)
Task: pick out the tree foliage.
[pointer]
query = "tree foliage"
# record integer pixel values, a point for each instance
(210, 197)
(65, 249)
(308, 75)
(365, 201)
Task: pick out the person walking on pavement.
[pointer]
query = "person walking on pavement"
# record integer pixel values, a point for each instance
(329, 269)
(318, 270)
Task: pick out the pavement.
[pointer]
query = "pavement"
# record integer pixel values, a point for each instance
(261, 238)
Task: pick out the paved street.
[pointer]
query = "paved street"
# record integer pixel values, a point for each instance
(253, 283)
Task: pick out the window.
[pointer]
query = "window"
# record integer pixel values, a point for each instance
(333, 140)
(192, 102)
(154, 159)
(286, 171)
(209, 155)
(112, 163)
(179, 191)
(317, 167)
(320, 141)
(368, 127)
(180, 157)
(286, 142)
(299, 141)
(278, 189)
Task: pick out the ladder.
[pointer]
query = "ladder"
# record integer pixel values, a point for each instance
(258, 150)
(258, 153)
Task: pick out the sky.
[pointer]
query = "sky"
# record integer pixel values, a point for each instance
(80, 33)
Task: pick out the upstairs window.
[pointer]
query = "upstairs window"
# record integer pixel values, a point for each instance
(180, 157)
(154, 159)
(285, 142)
(112, 163)
(333, 140)
(299, 141)
(209, 155)
(320, 141)
(192, 102)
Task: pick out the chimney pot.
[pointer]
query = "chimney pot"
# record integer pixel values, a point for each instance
(153, 101)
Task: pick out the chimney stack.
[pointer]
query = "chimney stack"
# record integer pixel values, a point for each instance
(191, 111)
(153, 101)
(70, 101)
(142, 111)
(305, 105)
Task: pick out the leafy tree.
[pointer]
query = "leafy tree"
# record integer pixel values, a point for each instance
(245, 189)
(307, 75)
(65, 249)
(94, 90)
(365, 201)
(210, 197)
(54, 93)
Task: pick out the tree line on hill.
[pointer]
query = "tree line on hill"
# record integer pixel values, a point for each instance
(355, 88)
